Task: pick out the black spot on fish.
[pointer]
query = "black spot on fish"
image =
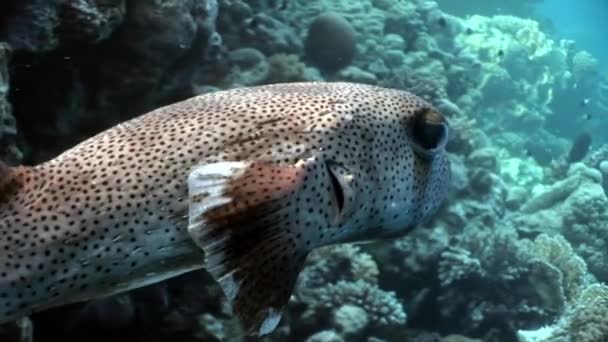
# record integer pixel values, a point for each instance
(579, 148)
(501, 53)
(468, 32)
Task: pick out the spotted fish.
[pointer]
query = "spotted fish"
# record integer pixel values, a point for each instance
(242, 182)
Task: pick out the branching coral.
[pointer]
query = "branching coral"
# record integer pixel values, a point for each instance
(584, 321)
(350, 319)
(493, 273)
(599, 160)
(457, 264)
(334, 263)
(382, 307)
(341, 281)
(557, 251)
(501, 254)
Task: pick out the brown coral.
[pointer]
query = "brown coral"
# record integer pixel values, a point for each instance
(331, 42)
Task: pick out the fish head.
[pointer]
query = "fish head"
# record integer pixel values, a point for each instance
(321, 164)
(425, 179)
(386, 166)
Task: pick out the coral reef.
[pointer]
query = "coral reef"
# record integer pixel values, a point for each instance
(96, 64)
(381, 308)
(584, 321)
(580, 205)
(41, 26)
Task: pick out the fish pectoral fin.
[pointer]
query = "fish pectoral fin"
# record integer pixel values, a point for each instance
(240, 214)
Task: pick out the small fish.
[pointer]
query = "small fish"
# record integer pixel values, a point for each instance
(442, 22)
(584, 102)
(587, 116)
(580, 148)
(243, 183)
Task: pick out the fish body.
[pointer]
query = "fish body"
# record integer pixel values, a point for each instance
(242, 182)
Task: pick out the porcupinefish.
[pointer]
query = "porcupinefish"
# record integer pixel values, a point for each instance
(242, 182)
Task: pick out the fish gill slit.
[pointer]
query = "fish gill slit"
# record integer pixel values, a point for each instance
(337, 190)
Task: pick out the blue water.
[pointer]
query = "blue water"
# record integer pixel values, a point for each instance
(583, 21)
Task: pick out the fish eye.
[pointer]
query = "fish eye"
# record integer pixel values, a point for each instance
(429, 131)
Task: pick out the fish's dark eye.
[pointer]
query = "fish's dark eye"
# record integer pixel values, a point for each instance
(429, 130)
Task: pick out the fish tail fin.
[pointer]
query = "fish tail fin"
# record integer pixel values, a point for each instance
(240, 216)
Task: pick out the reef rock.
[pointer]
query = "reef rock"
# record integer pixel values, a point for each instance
(42, 26)
(9, 151)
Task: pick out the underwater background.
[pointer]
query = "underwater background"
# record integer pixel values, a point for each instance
(519, 251)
